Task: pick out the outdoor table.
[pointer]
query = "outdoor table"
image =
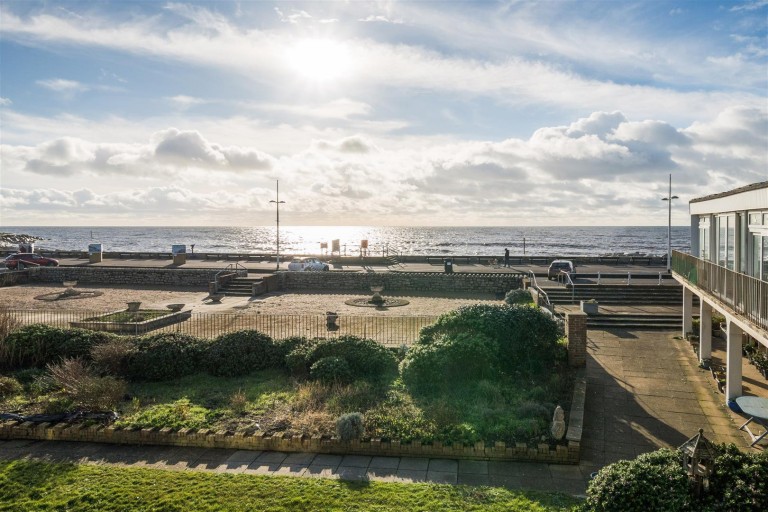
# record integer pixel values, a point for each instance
(757, 409)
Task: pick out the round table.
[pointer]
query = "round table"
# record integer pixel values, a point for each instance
(756, 408)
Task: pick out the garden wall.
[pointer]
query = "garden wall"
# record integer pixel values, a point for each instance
(248, 440)
(13, 278)
(291, 281)
(124, 276)
(400, 281)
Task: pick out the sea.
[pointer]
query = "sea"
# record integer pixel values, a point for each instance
(411, 240)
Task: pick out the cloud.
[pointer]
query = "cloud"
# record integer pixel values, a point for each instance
(62, 85)
(184, 102)
(373, 18)
(602, 168)
(750, 6)
(294, 17)
(4, 102)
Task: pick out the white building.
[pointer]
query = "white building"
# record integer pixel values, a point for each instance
(728, 271)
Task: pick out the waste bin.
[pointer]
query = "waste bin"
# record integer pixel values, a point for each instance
(448, 265)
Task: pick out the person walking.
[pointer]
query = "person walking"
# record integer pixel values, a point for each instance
(506, 257)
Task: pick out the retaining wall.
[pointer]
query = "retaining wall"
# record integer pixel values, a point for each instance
(400, 281)
(124, 275)
(15, 277)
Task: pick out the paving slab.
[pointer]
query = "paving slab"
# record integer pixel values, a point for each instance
(413, 464)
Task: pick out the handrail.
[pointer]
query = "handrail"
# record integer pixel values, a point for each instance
(745, 295)
(237, 268)
(569, 281)
(547, 304)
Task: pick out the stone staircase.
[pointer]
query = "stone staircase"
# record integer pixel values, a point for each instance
(240, 286)
(625, 295)
(664, 295)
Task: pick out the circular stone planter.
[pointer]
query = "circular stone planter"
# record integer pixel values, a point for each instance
(383, 303)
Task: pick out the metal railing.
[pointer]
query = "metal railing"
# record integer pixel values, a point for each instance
(387, 330)
(745, 295)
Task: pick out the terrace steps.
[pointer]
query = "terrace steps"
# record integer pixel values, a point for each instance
(240, 286)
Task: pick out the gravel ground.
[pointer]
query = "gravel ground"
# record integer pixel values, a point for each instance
(280, 303)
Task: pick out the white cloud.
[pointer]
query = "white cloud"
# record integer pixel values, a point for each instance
(62, 85)
(602, 168)
(294, 17)
(184, 102)
(4, 102)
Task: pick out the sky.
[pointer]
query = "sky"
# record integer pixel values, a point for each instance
(514, 113)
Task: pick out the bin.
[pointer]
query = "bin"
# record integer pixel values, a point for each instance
(448, 265)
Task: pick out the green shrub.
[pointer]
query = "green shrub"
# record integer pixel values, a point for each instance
(37, 345)
(652, 481)
(526, 337)
(165, 356)
(112, 357)
(739, 480)
(9, 387)
(459, 358)
(240, 353)
(518, 296)
(285, 346)
(331, 370)
(366, 358)
(350, 426)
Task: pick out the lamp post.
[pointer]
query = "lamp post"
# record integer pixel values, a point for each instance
(278, 202)
(669, 199)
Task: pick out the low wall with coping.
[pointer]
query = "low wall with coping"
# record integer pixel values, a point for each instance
(567, 453)
(124, 276)
(400, 281)
(13, 278)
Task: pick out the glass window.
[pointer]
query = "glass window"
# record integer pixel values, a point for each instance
(755, 219)
(704, 243)
(722, 232)
(743, 240)
(731, 242)
(756, 262)
(765, 258)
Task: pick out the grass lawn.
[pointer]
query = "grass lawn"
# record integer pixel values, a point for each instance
(32, 485)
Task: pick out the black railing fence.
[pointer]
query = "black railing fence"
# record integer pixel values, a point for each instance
(387, 330)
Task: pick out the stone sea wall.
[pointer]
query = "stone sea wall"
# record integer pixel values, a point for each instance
(356, 282)
(400, 281)
(124, 276)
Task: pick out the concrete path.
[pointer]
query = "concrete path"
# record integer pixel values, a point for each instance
(644, 391)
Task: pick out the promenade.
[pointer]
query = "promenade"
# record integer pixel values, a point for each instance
(644, 391)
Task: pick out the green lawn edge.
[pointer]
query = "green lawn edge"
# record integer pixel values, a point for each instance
(37, 485)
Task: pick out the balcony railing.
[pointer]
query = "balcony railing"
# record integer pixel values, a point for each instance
(745, 295)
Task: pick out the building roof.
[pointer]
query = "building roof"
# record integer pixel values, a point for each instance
(747, 188)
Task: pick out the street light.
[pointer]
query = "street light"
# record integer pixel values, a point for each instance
(669, 199)
(278, 202)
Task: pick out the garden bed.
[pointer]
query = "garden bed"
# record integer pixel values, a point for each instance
(132, 322)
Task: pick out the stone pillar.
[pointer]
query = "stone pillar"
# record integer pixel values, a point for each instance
(576, 332)
(733, 362)
(687, 310)
(705, 331)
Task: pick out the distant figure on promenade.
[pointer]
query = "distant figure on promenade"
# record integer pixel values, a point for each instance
(506, 257)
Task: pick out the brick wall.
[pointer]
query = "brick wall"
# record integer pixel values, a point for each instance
(13, 278)
(576, 332)
(124, 275)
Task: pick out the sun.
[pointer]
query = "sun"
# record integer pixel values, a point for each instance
(319, 60)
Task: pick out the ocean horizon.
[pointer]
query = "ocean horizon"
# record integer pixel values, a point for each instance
(405, 240)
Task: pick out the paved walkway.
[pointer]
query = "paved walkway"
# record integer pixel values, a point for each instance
(644, 391)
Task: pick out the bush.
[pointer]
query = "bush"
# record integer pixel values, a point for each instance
(652, 481)
(9, 387)
(240, 353)
(37, 345)
(526, 337)
(165, 356)
(83, 389)
(112, 357)
(349, 426)
(518, 296)
(331, 370)
(366, 358)
(287, 345)
(451, 359)
(739, 481)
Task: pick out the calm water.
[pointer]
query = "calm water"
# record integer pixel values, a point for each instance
(470, 241)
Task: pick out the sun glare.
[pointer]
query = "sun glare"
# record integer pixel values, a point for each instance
(319, 60)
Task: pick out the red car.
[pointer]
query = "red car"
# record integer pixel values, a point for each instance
(12, 261)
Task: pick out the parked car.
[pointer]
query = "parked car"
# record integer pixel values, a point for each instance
(560, 265)
(12, 261)
(308, 264)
